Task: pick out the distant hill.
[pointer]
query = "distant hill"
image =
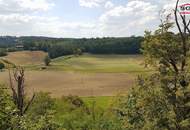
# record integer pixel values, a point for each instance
(9, 41)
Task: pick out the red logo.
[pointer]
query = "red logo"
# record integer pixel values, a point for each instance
(184, 9)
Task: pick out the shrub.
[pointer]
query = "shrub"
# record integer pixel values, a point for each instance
(2, 66)
(77, 52)
(7, 110)
(77, 115)
(41, 113)
(3, 52)
(47, 60)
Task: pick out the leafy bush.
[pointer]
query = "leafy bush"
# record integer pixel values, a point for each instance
(76, 115)
(2, 66)
(41, 113)
(3, 52)
(77, 52)
(146, 107)
(7, 109)
(39, 117)
(47, 60)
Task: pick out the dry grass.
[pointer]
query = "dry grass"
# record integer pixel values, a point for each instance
(26, 57)
(72, 83)
(72, 76)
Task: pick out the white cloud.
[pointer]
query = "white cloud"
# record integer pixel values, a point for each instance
(109, 5)
(36, 4)
(131, 19)
(17, 17)
(90, 3)
(19, 25)
(23, 6)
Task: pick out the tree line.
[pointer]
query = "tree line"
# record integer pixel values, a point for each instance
(66, 46)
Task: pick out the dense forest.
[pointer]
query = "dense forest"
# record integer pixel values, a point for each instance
(65, 46)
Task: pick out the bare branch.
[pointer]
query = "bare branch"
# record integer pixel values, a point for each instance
(12, 87)
(172, 62)
(183, 34)
(176, 19)
(29, 103)
(188, 23)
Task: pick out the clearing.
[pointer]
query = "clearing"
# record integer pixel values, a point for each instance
(86, 75)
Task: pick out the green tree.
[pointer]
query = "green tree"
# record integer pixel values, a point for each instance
(171, 52)
(47, 60)
(3, 52)
(2, 66)
(78, 52)
(161, 101)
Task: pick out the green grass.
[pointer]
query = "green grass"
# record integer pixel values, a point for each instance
(100, 63)
(100, 102)
(85, 63)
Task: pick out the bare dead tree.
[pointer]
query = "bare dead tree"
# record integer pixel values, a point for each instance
(18, 90)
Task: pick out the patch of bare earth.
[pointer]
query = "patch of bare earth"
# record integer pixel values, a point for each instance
(72, 83)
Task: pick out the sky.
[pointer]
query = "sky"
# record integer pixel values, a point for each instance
(80, 18)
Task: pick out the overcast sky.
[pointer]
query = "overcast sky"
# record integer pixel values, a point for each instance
(80, 18)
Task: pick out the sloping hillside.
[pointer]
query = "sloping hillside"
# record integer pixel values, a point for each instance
(100, 63)
(26, 57)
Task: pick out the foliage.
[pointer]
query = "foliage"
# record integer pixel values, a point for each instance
(7, 41)
(41, 113)
(7, 109)
(2, 66)
(161, 102)
(3, 52)
(77, 52)
(39, 117)
(76, 115)
(172, 54)
(129, 45)
(146, 107)
(47, 60)
(20, 113)
(65, 46)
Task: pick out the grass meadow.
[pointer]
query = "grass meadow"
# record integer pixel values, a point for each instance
(92, 77)
(95, 78)
(86, 75)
